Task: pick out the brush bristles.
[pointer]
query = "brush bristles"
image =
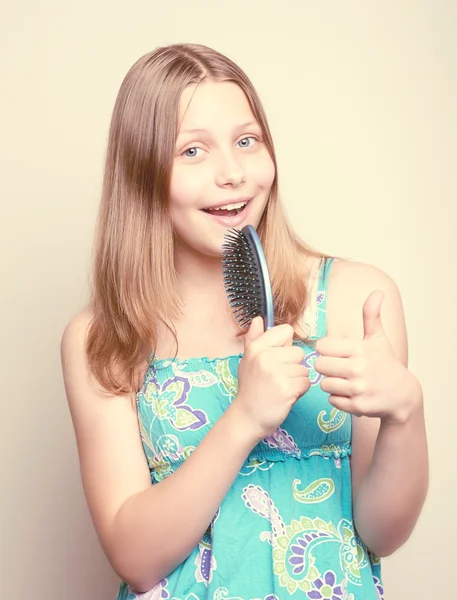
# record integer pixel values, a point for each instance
(241, 277)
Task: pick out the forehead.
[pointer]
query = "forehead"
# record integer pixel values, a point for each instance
(214, 105)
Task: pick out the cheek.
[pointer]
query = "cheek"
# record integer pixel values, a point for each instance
(185, 190)
(262, 171)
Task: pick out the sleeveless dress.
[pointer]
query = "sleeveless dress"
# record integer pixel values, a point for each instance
(285, 528)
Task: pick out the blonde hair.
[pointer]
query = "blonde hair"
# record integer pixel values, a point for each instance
(133, 279)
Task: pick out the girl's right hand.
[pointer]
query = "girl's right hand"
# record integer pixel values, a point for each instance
(271, 378)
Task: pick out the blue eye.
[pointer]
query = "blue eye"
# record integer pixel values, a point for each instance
(191, 152)
(243, 143)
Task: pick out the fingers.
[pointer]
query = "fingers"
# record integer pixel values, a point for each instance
(329, 366)
(339, 347)
(296, 370)
(342, 403)
(255, 330)
(285, 354)
(338, 386)
(278, 336)
(351, 406)
(300, 386)
(281, 335)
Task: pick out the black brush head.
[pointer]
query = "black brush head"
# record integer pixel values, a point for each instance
(245, 279)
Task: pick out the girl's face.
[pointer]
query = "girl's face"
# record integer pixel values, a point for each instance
(221, 160)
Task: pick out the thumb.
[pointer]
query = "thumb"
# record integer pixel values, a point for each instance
(372, 324)
(255, 330)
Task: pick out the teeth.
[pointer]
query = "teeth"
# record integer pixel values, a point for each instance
(233, 206)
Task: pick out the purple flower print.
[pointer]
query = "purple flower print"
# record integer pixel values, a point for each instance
(314, 376)
(379, 588)
(169, 402)
(181, 415)
(325, 588)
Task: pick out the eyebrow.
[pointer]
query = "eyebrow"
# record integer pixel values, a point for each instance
(201, 130)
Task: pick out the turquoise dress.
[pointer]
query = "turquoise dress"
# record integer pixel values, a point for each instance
(285, 528)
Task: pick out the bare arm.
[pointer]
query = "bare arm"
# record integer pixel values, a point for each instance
(145, 530)
(390, 496)
(390, 457)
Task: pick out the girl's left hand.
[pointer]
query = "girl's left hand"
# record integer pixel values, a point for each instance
(364, 377)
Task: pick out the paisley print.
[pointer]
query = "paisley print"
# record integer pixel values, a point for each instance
(284, 528)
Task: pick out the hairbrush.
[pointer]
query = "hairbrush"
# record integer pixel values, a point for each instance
(246, 277)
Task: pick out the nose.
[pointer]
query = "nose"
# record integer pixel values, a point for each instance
(229, 172)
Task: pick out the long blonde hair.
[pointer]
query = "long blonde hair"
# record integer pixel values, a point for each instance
(133, 279)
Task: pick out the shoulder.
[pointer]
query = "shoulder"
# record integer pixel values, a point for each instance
(78, 326)
(349, 278)
(350, 285)
(74, 336)
(75, 364)
(357, 277)
(73, 350)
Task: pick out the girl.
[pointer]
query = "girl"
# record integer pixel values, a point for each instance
(272, 465)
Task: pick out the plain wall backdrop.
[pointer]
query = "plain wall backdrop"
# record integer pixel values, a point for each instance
(362, 102)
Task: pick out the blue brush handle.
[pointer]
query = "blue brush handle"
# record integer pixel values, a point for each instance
(268, 318)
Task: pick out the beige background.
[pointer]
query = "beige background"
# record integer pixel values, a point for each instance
(362, 99)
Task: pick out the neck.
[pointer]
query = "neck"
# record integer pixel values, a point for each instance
(199, 277)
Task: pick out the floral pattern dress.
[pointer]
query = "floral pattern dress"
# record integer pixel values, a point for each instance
(285, 528)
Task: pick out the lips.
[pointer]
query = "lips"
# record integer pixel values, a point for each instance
(235, 204)
(230, 214)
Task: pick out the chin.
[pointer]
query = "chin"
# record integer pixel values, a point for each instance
(203, 247)
(213, 251)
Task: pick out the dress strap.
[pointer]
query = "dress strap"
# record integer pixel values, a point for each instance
(321, 298)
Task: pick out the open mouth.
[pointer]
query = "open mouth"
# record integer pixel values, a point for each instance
(229, 210)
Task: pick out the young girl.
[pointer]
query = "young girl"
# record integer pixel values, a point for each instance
(216, 465)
